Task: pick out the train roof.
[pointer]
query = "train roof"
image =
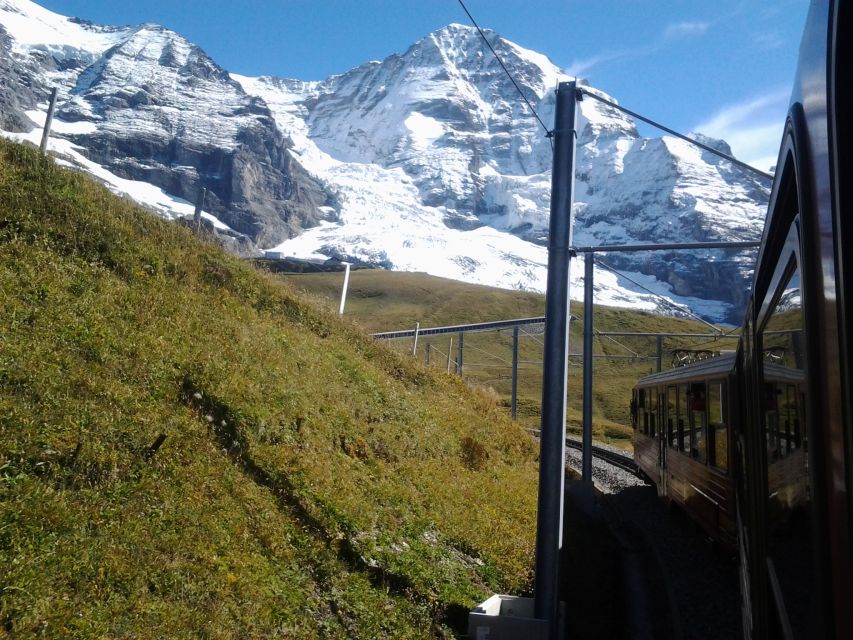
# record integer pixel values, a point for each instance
(721, 365)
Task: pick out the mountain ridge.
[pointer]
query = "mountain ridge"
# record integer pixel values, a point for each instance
(427, 160)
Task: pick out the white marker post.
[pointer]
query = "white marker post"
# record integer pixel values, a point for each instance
(415, 346)
(48, 122)
(344, 292)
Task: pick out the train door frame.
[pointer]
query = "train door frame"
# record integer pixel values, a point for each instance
(790, 238)
(840, 135)
(788, 261)
(662, 439)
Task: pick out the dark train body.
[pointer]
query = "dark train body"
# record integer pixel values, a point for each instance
(758, 445)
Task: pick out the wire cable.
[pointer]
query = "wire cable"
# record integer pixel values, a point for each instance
(503, 66)
(666, 301)
(709, 149)
(491, 355)
(628, 349)
(532, 336)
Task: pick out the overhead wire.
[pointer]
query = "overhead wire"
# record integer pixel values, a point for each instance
(612, 339)
(532, 336)
(666, 301)
(503, 66)
(491, 355)
(672, 132)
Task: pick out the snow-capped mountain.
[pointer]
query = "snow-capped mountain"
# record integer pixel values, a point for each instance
(426, 161)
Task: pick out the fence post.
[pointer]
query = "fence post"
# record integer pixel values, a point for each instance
(199, 205)
(415, 345)
(459, 348)
(449, 351)
(427, 350)
(48, 121)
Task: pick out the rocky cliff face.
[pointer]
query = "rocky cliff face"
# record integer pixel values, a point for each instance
(444, 117)
(427, 160)
(161, 111)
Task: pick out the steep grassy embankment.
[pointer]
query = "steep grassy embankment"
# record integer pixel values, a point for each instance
(385, 300)
(311, 484)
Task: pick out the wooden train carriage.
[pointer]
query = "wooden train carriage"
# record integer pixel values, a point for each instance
(682, 439)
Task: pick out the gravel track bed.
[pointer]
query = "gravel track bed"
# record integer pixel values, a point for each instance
(700, 579)
(605, 477)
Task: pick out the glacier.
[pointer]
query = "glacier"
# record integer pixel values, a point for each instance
(425, 161)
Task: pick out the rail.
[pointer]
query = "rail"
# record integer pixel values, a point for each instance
(624, 462)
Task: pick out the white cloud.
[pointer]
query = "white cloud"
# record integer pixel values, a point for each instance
(580, 67)
(753, 128)
(683, 29)
(677, 30)
(769, 40)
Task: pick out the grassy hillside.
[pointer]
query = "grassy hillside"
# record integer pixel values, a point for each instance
(311, 482)
(384, 300)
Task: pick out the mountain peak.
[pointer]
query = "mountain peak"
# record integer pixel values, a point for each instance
(434, 143)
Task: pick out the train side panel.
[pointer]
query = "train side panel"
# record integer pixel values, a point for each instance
(706, 495)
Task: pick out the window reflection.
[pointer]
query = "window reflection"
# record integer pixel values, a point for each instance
(788, 497)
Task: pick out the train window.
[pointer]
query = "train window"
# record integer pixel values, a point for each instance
(718, 429)
(671, 416)
(653, 412)
(633, 409)
(781, 344)
(696, 406)
(782, 367)
(681, 423)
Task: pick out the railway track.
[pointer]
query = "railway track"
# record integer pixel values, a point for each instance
(621, 460)
(614, 458)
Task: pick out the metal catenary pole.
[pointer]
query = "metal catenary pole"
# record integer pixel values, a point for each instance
(549, 524)
(586, 458)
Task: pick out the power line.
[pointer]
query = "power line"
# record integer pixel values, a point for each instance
(503, 66)
(672, 132)
(602, 335)
(491, 355)
(530, 335)
(657, 295)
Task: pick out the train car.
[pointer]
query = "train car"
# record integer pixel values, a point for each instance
(793, 437)
(684, 421)
(785, 397)
(683, 439)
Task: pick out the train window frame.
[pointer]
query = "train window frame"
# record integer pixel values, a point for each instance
(653, 412)
(672, 417)
(722, 385)
(681, 418)
(788, 263)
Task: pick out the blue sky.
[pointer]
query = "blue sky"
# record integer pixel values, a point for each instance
(724, 68)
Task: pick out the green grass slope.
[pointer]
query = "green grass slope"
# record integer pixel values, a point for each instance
(384, 300)
(311, 483)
